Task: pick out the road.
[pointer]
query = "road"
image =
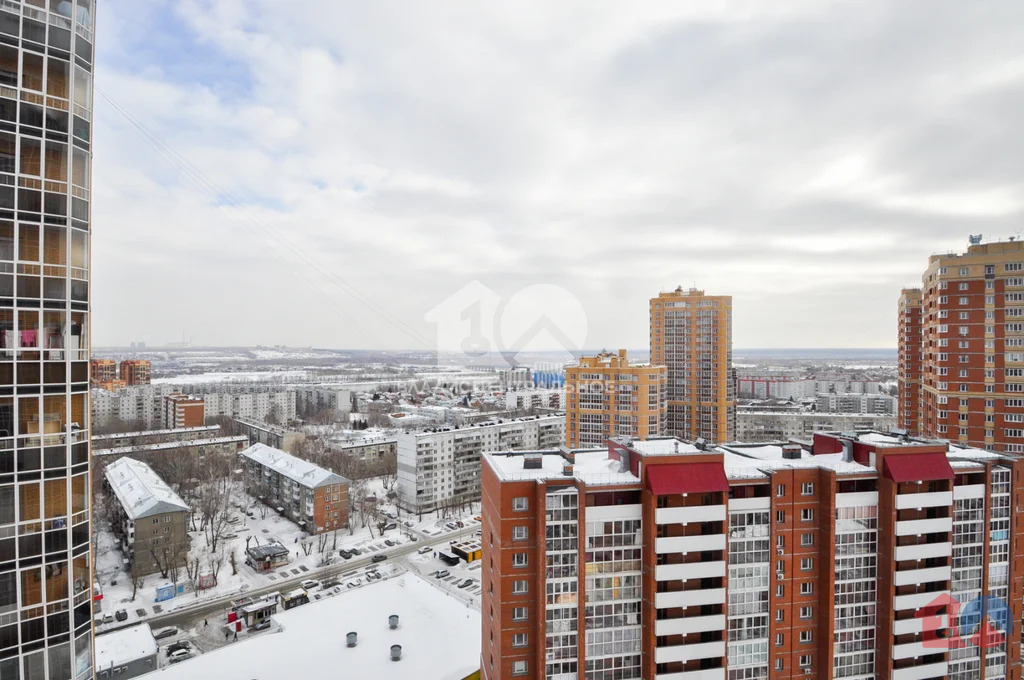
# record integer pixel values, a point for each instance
(194, 616)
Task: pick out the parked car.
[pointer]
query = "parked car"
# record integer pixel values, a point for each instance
(165, 633)
(249, 513)
(389, 526)
(389, 543)
(121, 615)
(441, 573)
(345, 554)
(450, 525)
(465, 584)
(181, 644)
(104, 618)
(180, 655)
(424, 550)
(309, 584)
(378, 558)
(260, 625)
(356, 551)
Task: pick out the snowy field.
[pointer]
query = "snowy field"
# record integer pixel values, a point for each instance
(233, 376)
(439, 637)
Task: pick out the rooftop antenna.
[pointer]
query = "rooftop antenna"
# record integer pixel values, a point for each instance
(975, 239)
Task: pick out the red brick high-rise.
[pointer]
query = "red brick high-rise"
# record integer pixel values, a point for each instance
(136, 371)
(910, 360)
(971, 347)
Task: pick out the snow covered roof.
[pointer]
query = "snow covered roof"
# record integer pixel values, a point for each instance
(167, 446)
(123, 646)
(662, 446)
(156, 433)
(140, 491)
(295, 469)
(439, 635)
(761, 451)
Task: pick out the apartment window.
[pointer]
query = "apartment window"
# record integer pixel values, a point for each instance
(806, 612)
(779, 639)
(780, 541)
(806, 539)
(520, 503)
(806, 588)
(805, 636)
(963, 417)
(778, 664)
(519, 533)
(780, 566)
(962, 301)
(520, 587)
(990, 299)
(807, 515)
(519, 613)
(807, 488)
(807, 564)
(519, 559)
(780, 591)
(942, 271)
(780, 516)
(805, 661)
(990, 403)
(780, 491)
(964, 316)
(519, 640)
(780, 614)
(963, 344)
(518, 668)
(964, 271)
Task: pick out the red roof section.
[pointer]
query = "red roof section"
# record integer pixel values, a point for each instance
(917, 467)
(674, 478)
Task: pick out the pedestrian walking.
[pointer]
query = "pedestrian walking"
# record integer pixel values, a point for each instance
(236, 635)
(227, 634)
(205, 623)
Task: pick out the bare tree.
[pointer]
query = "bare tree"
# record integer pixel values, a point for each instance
(215, 561)
(136, 583)
(232, 558)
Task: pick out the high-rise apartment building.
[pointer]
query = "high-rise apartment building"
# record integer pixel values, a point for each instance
(691, 335)
(606, 396)
(136, 372)
(910, 360)
(855, 556)
(971, 348)
(102, 371)
(46, 57)
(184, 410)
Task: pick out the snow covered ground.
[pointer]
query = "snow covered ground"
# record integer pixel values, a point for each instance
(439, 637)
(233, 376)
(116, 585)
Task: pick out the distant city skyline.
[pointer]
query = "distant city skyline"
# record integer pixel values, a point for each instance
(327, 177)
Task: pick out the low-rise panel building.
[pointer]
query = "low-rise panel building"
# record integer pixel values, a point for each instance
(126, 653)
(314, 498)
(275, 436)
(772, 426)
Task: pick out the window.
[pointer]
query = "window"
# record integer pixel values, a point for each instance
(780, 591)
(807, 515)
(806, 588)
(520, 587)
(518, 668)
(806, 539)
(806, 612)
(519, 640)
(780, 566)
(780, 541)
(519, 559)
(519, 533)
(520, 503)
(780, 614)
(780, 516)
(780, 491)
(807, 564)
(779, 640)
(805, 636)
(964, 271)
(519, 613)
(805, 661)
(962, 301)
(807, 488)
(778, 664)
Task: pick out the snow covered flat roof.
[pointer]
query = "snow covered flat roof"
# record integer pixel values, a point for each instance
(140, 491)
(295, 469)
(667, 446)
(743, 467)
(439, 635)
(761, 451)
(123, 646)
(164, 446)
(155, 433)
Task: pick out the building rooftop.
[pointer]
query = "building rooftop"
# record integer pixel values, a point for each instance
(554, 417)
(165, 446)
(301, 471)
(156, 433)
(439, 635)
(659, 446)
(140, 491)
(123, 646)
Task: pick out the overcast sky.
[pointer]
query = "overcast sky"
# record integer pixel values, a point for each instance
(329, 176)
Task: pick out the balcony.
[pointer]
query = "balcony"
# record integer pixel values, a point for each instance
(936, 499)
(939, 525)
(911, 577)
(910, 650)
(927, 672)
(923, 551)
(689, 624)
(917, 600)
(706, 674)
(682, 572)
(908, 626)
(688, 544)
(756, 503)
(689, 598)
(969, 491)
(692, 652)
(856, 499)
(694, 513)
